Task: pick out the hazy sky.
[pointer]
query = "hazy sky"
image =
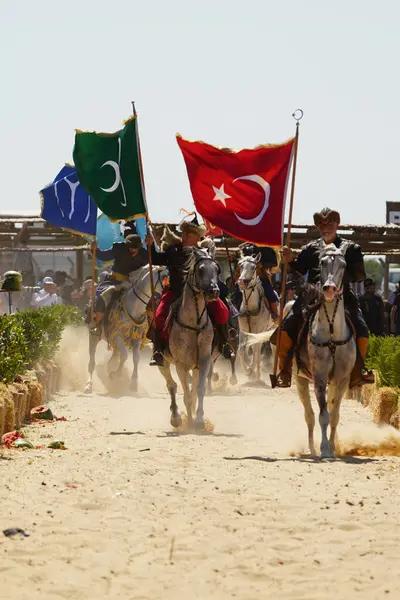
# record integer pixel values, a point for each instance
(228, 72)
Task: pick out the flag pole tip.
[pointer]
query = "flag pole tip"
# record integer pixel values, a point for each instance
(298, 114)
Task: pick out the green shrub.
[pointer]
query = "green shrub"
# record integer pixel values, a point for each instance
(13, 348)
(384, 357)
(30, 336)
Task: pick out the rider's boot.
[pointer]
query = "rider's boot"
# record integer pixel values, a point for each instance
(159, 346)
(284, 377)
(360, 375)
(224, 345)
(96, 326)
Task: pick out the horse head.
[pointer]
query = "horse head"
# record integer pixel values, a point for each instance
(332, 267)
(248, 271)
(202, 273)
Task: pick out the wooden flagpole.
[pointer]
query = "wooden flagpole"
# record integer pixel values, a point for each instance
(93, 290)
(153, 299)
(273, 376)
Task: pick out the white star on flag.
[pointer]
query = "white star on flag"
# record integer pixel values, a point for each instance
(220, 194)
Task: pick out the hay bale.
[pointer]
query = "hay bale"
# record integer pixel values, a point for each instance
(366, 393)
(35, 394)
(22, 389)
(395, 419)
(9, 416)
(383, 404)
(2, 415)
(41, 375)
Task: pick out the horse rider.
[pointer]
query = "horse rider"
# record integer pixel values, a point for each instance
(174, 256)
(307, 263)
(270, 297)
(128, 256)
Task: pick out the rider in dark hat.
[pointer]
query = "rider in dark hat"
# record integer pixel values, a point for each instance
(268, 260)
(128, 256)
(307, 262)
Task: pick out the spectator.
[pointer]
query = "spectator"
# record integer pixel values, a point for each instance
(48, 296)
(372, 307)
(393, 295)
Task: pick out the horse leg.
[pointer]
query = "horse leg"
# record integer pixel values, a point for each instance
(209, 379)
(136, 357)
(257, 362)
(187, 393)
(201, 376)
(303, 389)
(242, 353)
(320, 393)
(93, 341)
(335, 395)
(123, 355)
(176, 420)
(233, 379)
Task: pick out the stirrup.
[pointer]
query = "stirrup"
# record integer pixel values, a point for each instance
(228, 352)
(157, 360)
(367, 377)
(284, 379)
(95, 329)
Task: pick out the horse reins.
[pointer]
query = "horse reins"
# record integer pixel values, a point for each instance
(331, 343)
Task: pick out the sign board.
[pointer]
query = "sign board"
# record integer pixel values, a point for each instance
(393, 213)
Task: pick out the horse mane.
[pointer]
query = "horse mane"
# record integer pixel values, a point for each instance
(195, 255)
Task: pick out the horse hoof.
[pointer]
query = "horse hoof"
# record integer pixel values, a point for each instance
(88, 388)
(134, 387)
(199, 424)
(215, 377)
(233, 380)
(176, 421)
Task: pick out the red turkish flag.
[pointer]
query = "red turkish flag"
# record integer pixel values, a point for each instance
(212, 230)
(241, 192)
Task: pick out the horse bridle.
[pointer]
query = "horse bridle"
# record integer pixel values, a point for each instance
(196, 292)
(148, 297)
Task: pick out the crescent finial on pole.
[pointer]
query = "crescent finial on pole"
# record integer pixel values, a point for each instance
(298, 114)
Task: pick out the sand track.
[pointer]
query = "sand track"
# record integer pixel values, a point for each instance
(131, 511)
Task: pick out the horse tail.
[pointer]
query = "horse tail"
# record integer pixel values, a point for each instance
(251, 339)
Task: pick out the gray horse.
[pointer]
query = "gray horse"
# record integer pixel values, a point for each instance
(329, 356)
(127, 325)
(191, 337)
(254, 316)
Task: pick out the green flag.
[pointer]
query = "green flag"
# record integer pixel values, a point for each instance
(109, 169)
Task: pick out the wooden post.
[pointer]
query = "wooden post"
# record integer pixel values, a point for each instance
(287, 242)
(229, 258)
(79, 266)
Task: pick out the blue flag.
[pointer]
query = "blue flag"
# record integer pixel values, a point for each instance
(66, 204)
(108, 233)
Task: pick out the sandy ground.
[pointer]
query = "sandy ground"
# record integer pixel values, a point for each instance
(131, 511)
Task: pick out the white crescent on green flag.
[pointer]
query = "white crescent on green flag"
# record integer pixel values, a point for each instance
(109, 169)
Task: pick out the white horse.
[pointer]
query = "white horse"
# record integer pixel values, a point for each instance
(254, 316)
(127, 325)
(329, 356)
(191, 338)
